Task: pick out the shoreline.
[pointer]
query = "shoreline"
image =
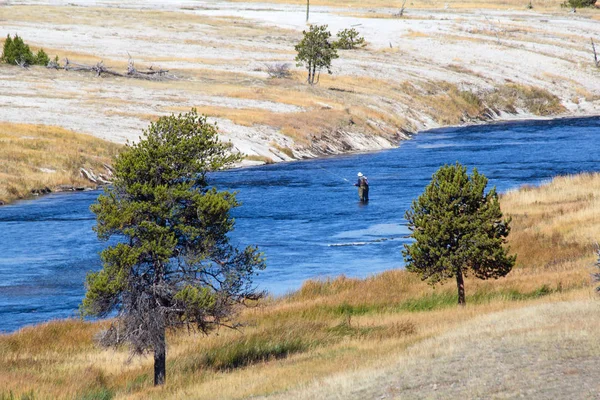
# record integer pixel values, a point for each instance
(518, 118)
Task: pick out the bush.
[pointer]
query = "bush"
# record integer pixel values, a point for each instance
(578, 3)
(16, 52)
(279, 70)
(349, 39)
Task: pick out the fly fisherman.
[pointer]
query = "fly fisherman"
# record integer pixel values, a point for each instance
(363, 188)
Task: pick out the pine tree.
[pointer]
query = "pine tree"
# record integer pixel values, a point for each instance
(458, 230)
(7, 51)
(41, 58)
(315, 51)
(173, 265)
(16, 52)
(349, 39)
(22, 53)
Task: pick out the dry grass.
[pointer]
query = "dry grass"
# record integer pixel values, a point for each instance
(34, 157)
(545, 350)
(375, 91)
(328, 334)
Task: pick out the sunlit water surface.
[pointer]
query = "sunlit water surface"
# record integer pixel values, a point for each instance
(305, 216)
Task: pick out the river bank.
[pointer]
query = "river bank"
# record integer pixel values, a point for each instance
(303, 215)
(365, 338)
(36, 160)
(431, 68)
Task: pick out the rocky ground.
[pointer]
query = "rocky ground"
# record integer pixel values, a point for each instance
(429, 68)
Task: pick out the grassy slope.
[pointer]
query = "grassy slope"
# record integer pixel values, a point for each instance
(345, 333)
(34, 157)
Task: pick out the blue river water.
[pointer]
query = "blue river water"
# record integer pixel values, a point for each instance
(305, 216)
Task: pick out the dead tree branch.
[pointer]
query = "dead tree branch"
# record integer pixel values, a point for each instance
(401, 12)
(596, 61)
(150, 73)
(99, 69)
(21, 62)
(493, 28)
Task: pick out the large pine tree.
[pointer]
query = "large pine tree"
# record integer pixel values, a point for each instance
(458, 230)
(173, 265)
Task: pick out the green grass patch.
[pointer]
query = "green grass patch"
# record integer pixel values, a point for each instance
(12, 396)
(256, 347)
(102, 393)
(433, 301)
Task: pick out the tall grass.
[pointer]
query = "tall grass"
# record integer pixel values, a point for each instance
(35, 158)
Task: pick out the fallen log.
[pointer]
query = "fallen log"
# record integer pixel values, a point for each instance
(99, 69)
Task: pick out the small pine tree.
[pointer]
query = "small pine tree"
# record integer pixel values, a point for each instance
(349, 39)
(16, 52)
(174, 266)
(574, 4)
(41, 58)
(315, 51)
(22, 52)
(7, 51)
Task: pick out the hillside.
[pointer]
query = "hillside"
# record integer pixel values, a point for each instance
(390, 335)
(439, 64)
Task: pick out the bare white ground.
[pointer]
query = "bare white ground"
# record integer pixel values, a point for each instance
(476, 50)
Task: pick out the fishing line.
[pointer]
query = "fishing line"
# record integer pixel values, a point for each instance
(334, 174)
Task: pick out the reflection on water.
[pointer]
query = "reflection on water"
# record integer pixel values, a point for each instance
(305, 216)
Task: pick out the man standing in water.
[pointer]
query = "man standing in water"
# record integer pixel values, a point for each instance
(363, 188)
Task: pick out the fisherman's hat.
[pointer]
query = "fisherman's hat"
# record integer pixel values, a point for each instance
(360, 174)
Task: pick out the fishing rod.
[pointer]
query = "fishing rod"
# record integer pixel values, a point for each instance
(334, 174)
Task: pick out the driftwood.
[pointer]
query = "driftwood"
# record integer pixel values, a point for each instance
(150, 73)
(492, 27)
(22, 63)
(90, 176)
(99, 69)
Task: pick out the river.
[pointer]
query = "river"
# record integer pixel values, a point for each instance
(305, 216)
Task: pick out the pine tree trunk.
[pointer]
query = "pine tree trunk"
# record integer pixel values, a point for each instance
(160, 360)
(460, 284)
(307, 8)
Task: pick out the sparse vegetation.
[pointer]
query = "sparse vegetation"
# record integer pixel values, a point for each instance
(262, 159)
(279, 70)
(512, 97)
